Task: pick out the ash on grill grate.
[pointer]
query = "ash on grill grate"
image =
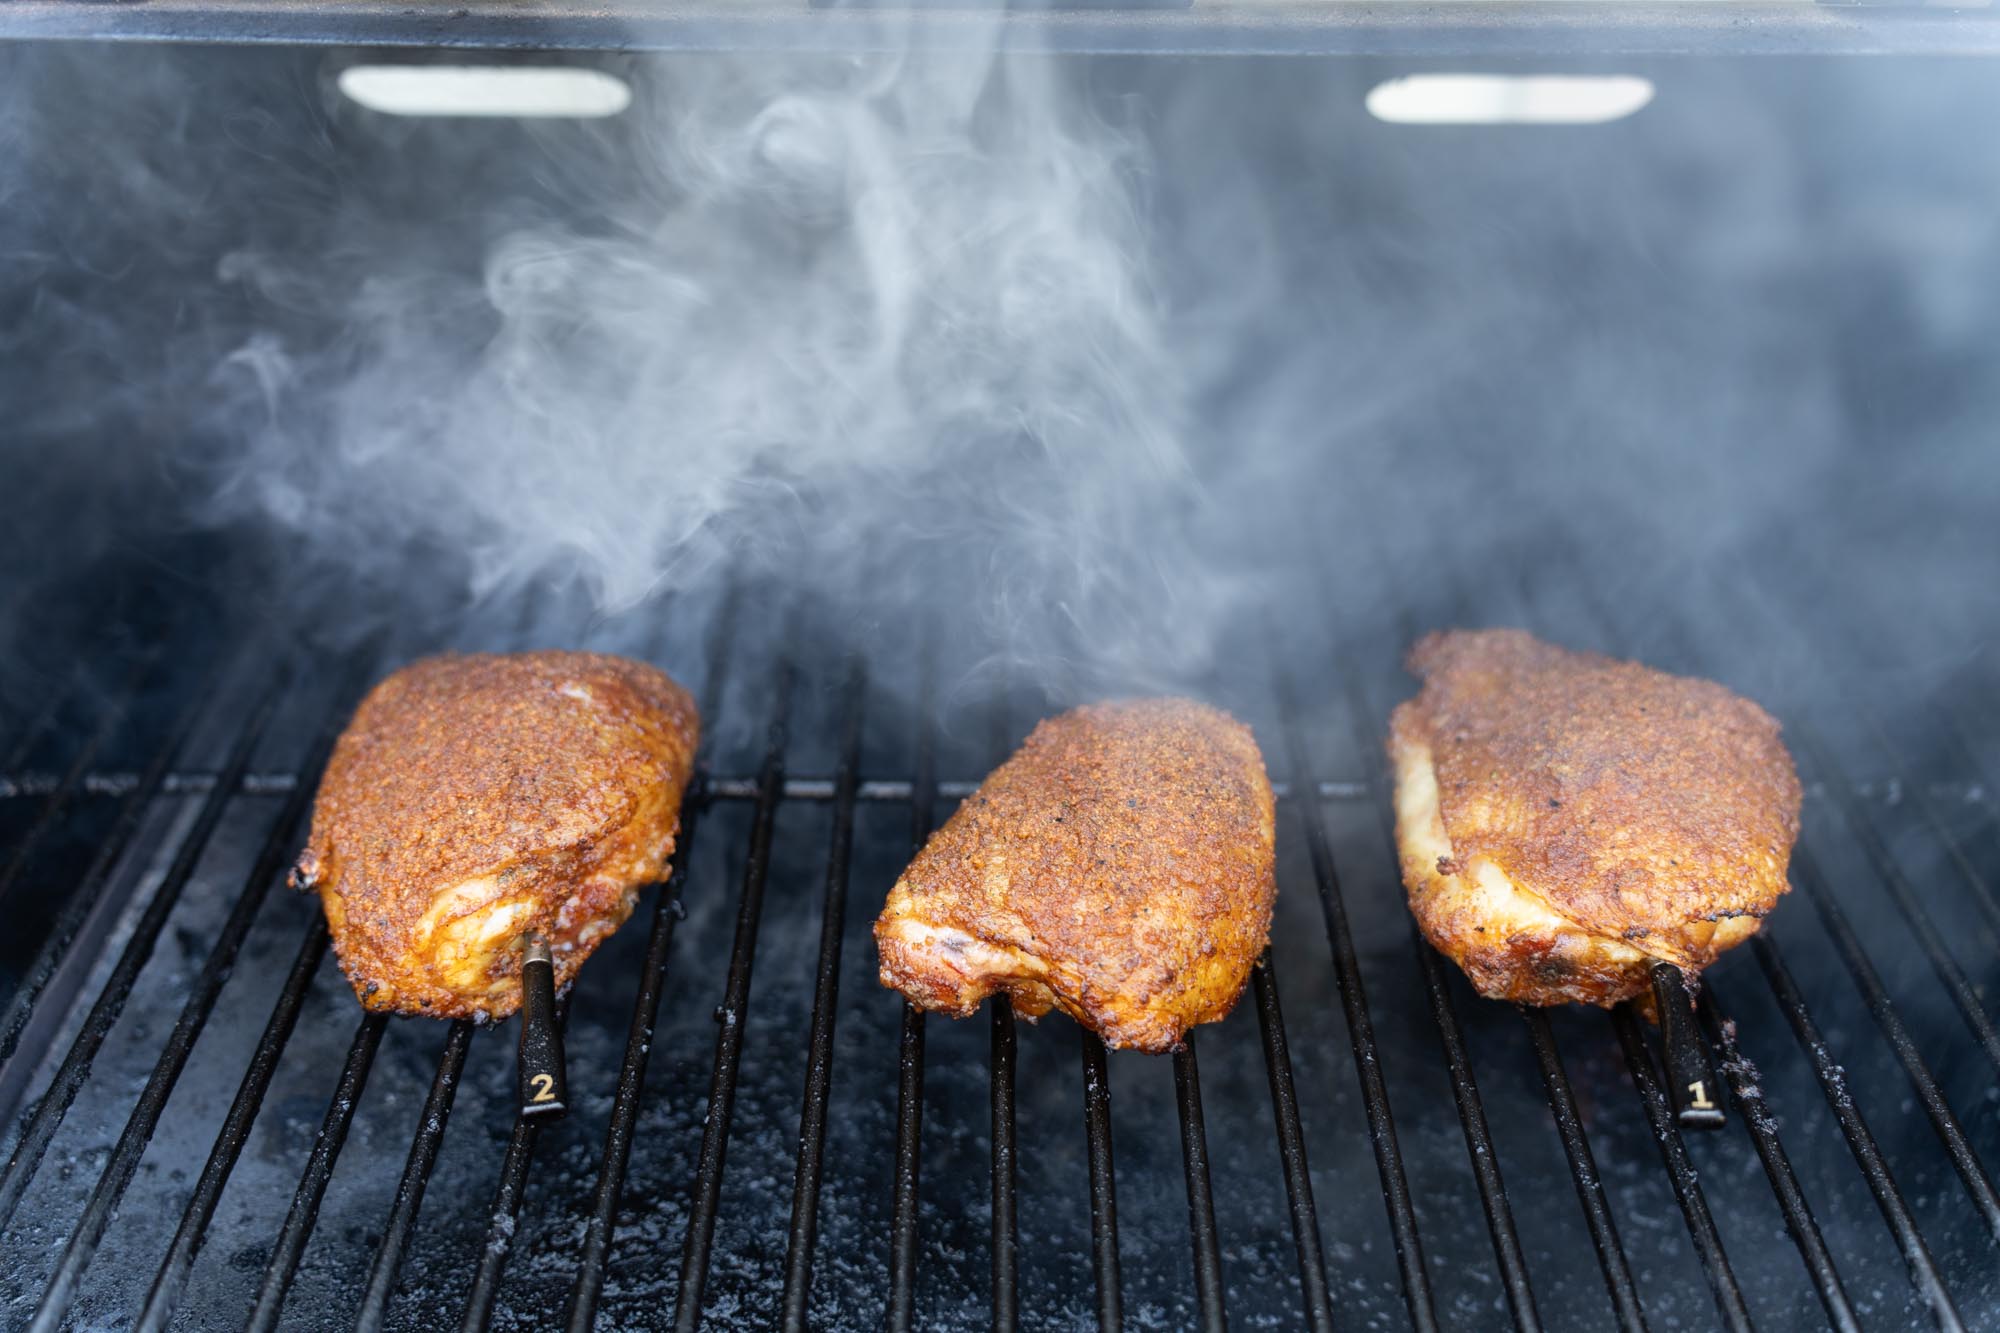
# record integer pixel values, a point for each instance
(213, 1128)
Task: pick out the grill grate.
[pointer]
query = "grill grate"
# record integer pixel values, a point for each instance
(112, 928)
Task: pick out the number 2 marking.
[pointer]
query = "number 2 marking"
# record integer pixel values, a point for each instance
(1698, 1088)
(545, 1087)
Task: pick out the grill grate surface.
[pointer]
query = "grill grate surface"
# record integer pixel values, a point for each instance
(826, 1157)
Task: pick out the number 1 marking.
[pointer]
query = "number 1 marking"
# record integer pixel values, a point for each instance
(1698, 1088)
(545, 1087)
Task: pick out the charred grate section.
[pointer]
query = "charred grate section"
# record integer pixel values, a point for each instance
(1547, 1110)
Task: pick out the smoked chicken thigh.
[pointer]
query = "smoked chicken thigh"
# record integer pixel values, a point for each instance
(1565, 819)
(1119, 866)
(476, 799)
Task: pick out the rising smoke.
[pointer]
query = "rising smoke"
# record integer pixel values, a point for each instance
(1089, 343)
(819, 317)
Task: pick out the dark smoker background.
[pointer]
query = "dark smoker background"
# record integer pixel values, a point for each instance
(1092, 338)
(1111, 374)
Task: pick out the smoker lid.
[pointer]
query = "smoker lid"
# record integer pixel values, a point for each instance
(1475, 30)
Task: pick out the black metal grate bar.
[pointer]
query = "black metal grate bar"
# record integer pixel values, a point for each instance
(1478, 1140)
(595, 1250)
(1821, 764)
(845, 790)
(171, 1280)
(734, 1013)
(1769, 610)
(826, 993)
(1765, 1133)
(1888, 1198)
(1923, 1270)
(1006, 1259)
(269, 867)
(399, 1229)
(910, 1053)
(1898, 885)
(1968, 873)
(290, 1246)
(75, 1069)
(1292, 1149)
(1464, 1087)
(1978, 1184)
(1799, 1220)
(37, 723)
(1618, 1282)
(507, 1195)
(909, 1162)
(78, 905)
(1103, 1184)
(1208, 1286)
(721, 787)
(1687, 1188)
(1361, 1034)
(1881, 1183)
(72, 777)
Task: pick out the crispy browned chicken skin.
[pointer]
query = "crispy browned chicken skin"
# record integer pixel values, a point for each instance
(474, 799)
(1120, 866)
(1565, 818)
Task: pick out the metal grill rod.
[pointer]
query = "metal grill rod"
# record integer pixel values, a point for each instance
(1969, 874)
(1103, 1184)
(401, 1225)
(202, 997)
(38, 722)
(300, 1218)
(581, 1313)
(1887, 1195)
(16, 784)
(1978, 1184)
(899, 1315)
(1611, 1259)
(290, 1246)
(1583, 1171)
(1292, 1148)
(1799, 1220)
(1971, 1172)
(507, 1194)
(1687, 1188)
(1694, 1207)
(1361, 1035)
(667, 912)
(1208, 1288)
(1952, 713)
(75, 1068)
(1982, 892)
(83, 899)
(1835, 781)
(1929, 938)
(72, 777)
(1006, 1259)
(734, 1013)
(171, 1279)
(909, 1163)
(721, 787)
(1465, 1088)
(826, 991)
(1923, 1271)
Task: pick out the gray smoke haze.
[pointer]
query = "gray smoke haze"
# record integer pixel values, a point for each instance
(818, 317)
(1076, 350)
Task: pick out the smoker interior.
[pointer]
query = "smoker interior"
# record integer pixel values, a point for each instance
(1364, 1142)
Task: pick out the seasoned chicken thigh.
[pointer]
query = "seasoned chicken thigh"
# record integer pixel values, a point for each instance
(1119, 866)
(474, 800)
(1565, 819)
